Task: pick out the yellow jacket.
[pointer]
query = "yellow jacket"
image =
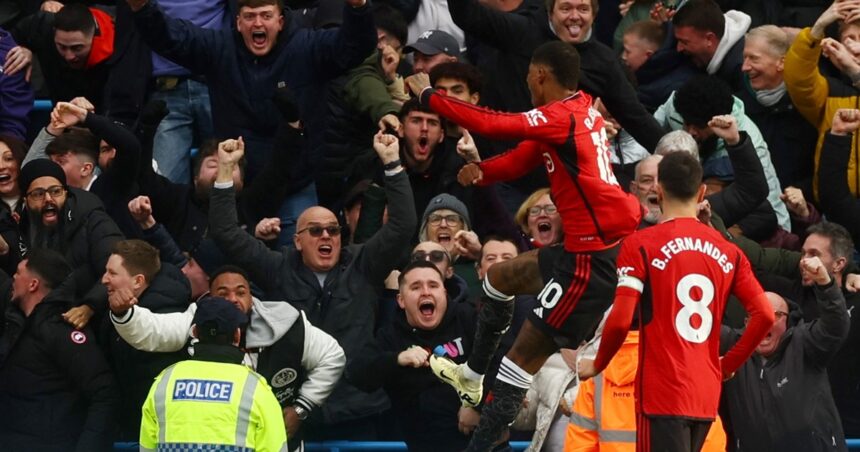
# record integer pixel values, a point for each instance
(817, 98)
(195, 404)
(604, 413)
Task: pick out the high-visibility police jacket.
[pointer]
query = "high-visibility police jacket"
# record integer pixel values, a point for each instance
(197, 404)
(604, 413)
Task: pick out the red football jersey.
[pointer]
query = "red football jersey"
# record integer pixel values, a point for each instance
(684, 272)
(567, 136)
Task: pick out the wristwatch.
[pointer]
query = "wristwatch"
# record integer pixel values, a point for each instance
(301, 413)
(391, 165)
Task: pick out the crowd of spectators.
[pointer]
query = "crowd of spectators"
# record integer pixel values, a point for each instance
(273, 153)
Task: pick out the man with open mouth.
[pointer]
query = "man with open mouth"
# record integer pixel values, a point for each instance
(333, 284)
(428, 320)
(788, 373)
(72, 222)
(644, 187)
(245, 64)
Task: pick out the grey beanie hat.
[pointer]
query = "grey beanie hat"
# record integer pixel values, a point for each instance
(446, 201)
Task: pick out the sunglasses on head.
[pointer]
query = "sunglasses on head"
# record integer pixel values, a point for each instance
(317, 230)
(435, 256)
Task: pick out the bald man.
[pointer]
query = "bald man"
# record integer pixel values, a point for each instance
(337, 287)
(780, 399)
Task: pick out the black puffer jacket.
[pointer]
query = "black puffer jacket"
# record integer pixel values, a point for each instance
(168, 292)
(426, 407)
(58, 392)
(87, 236)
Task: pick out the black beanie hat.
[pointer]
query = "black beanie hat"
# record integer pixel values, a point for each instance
(37, 168)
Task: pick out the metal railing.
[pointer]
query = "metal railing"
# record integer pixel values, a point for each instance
(371, 446)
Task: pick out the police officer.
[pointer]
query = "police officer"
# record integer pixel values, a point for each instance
(212, 400)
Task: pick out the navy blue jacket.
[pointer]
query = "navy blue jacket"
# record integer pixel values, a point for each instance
(241, 85)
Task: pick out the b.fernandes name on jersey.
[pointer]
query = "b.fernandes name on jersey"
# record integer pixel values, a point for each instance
(681, 244)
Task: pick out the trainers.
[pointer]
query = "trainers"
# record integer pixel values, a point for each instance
(470, 391)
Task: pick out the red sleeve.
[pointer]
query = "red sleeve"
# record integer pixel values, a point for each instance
(617, 325)
(631, 276)
(751, 295)
(513, 164)
(541, 124)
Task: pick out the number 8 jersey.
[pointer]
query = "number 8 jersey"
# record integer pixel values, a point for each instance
(681, 272)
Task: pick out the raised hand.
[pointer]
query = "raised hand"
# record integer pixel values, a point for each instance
(50, 6)
(852, 282)
(795, 202)
(84, 103)
(845, 121)
(816, 268)
(418, 82)
(470, 174)
(839, 9)
(140, 209)
(268, 229)
(624, 7)
(389, 60)
(725, 127)
(467, 244)
(841, 57)
(387, 147)
(390, 122)
(466, 148)
(67, 114)
(661, 14)
(231, 151)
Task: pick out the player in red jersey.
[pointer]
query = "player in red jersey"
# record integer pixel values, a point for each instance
(575, 281)
(680, 273)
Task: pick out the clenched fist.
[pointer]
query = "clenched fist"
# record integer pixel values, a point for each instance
(268, 229)
(387, 147)
(725, 127)
(470, 174)
(140, 209)
(795, 202)
(414, 356)
(845, 121)
(816, 268)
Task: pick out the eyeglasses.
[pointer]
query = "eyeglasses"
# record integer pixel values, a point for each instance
(776, 314)
(38, 194)
(435, 256)
(317, 230)
(453, 219)
(548, 208)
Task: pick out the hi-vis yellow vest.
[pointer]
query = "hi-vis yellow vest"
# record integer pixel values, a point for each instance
(203, 405)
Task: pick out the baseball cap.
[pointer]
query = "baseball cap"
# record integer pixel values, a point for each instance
(434, 42)
(216, 316)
